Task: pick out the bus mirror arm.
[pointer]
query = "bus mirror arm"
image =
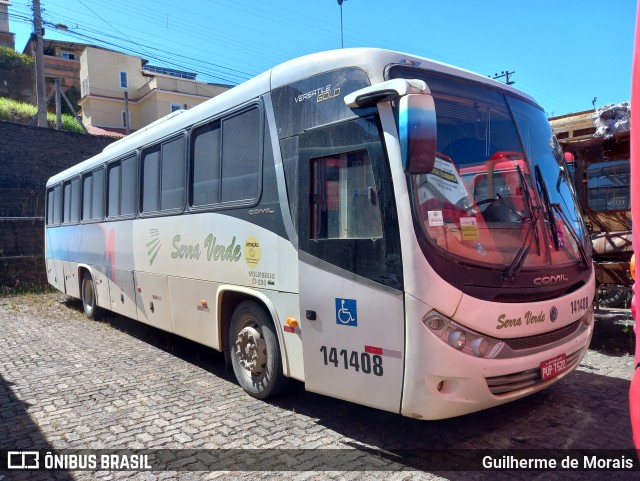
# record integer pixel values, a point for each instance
(385, 92)
(416, 119)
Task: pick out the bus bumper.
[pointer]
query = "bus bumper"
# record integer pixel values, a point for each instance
(441, 382)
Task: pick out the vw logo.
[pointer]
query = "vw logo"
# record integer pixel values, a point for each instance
(553, 314)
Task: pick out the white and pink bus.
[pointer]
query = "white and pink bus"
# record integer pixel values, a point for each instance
(388, 230)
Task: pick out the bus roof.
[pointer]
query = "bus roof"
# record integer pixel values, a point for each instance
(373, 61)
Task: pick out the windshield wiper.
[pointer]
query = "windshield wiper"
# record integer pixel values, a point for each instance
(574, 234)
(534, 216)
(523, 252)
(549, 209)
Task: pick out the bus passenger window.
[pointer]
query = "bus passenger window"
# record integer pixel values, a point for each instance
(173, 175)
(241, 156)
(150, 196)
(66, 214)
(75, 201)
(97, 201)
(344, 200)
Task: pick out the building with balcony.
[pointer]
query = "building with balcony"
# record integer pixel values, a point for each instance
(61, 61)
(121, 93)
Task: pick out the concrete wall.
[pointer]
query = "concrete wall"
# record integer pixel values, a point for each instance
(28, 157)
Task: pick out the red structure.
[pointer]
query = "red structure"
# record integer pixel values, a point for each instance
(634, 393)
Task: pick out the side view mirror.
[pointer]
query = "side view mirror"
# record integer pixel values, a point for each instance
(417, 129)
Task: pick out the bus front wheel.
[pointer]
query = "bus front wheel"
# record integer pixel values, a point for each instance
(88, 295)
(255, 354)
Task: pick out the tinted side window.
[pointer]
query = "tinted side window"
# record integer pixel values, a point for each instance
(97, 198)
(205, 165)
(151, 180)
(66, 214)
(87, 183)
(129, 185)
(343, 194)
(173, 174)
(122, 177)
(113, 179)
(50, 206)
(163, 176)
(346, 212)
(93, 195)
(226, 160)
(57, 204)
(241, 156)
(76, 200)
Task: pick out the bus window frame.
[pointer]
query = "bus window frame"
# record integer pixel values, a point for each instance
(91, 172)
(159, 144)
(70, 181)
(136, 155)
(221, 118)
(52, 190)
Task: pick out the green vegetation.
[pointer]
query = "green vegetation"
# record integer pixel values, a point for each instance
(22, 113)
(14, 61)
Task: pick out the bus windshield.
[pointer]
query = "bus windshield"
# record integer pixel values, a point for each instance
(499, 193)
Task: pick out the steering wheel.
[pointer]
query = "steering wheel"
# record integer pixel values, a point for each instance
(504, 203)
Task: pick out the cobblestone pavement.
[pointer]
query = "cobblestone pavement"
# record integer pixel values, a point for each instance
(70, 383)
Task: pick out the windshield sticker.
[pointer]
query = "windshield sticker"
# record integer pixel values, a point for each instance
(435, 218)
(469, 228)
(446, 179)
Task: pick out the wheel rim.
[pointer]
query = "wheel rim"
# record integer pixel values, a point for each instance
(87, 294)
(251, 351)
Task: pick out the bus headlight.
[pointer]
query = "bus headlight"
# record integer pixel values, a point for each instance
(457, 339)
(461, 338)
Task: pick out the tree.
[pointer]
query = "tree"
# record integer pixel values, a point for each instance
(15, 62)
(17, 75)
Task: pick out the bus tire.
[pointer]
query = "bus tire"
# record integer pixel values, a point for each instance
(88, 295)
(255, 353)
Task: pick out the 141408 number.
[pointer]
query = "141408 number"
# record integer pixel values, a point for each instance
(580, 305)
(359, 361)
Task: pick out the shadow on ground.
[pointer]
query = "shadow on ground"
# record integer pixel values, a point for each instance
(585, 411)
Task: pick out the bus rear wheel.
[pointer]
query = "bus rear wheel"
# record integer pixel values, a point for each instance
(88, 295)
(255, 354)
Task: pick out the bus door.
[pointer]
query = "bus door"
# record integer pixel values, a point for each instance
(351, 279)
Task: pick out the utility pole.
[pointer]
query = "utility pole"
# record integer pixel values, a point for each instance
(40, 87)
(341, 34)
(506, 75)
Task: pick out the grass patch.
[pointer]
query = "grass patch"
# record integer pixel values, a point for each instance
(25, 290)
(22, 113)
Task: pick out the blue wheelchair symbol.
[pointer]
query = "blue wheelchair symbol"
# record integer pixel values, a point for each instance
(346, 312)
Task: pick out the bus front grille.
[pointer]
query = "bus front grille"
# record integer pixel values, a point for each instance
(520, 380)
(543, 339)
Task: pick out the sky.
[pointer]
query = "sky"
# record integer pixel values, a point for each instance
(564, 53)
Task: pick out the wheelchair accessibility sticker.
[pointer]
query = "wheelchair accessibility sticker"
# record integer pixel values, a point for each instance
(346, 312)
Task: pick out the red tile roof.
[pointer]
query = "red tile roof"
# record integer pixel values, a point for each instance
(106, 131)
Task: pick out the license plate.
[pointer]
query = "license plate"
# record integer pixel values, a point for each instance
(553, 367)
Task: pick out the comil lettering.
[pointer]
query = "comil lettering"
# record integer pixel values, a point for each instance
(547, 280)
